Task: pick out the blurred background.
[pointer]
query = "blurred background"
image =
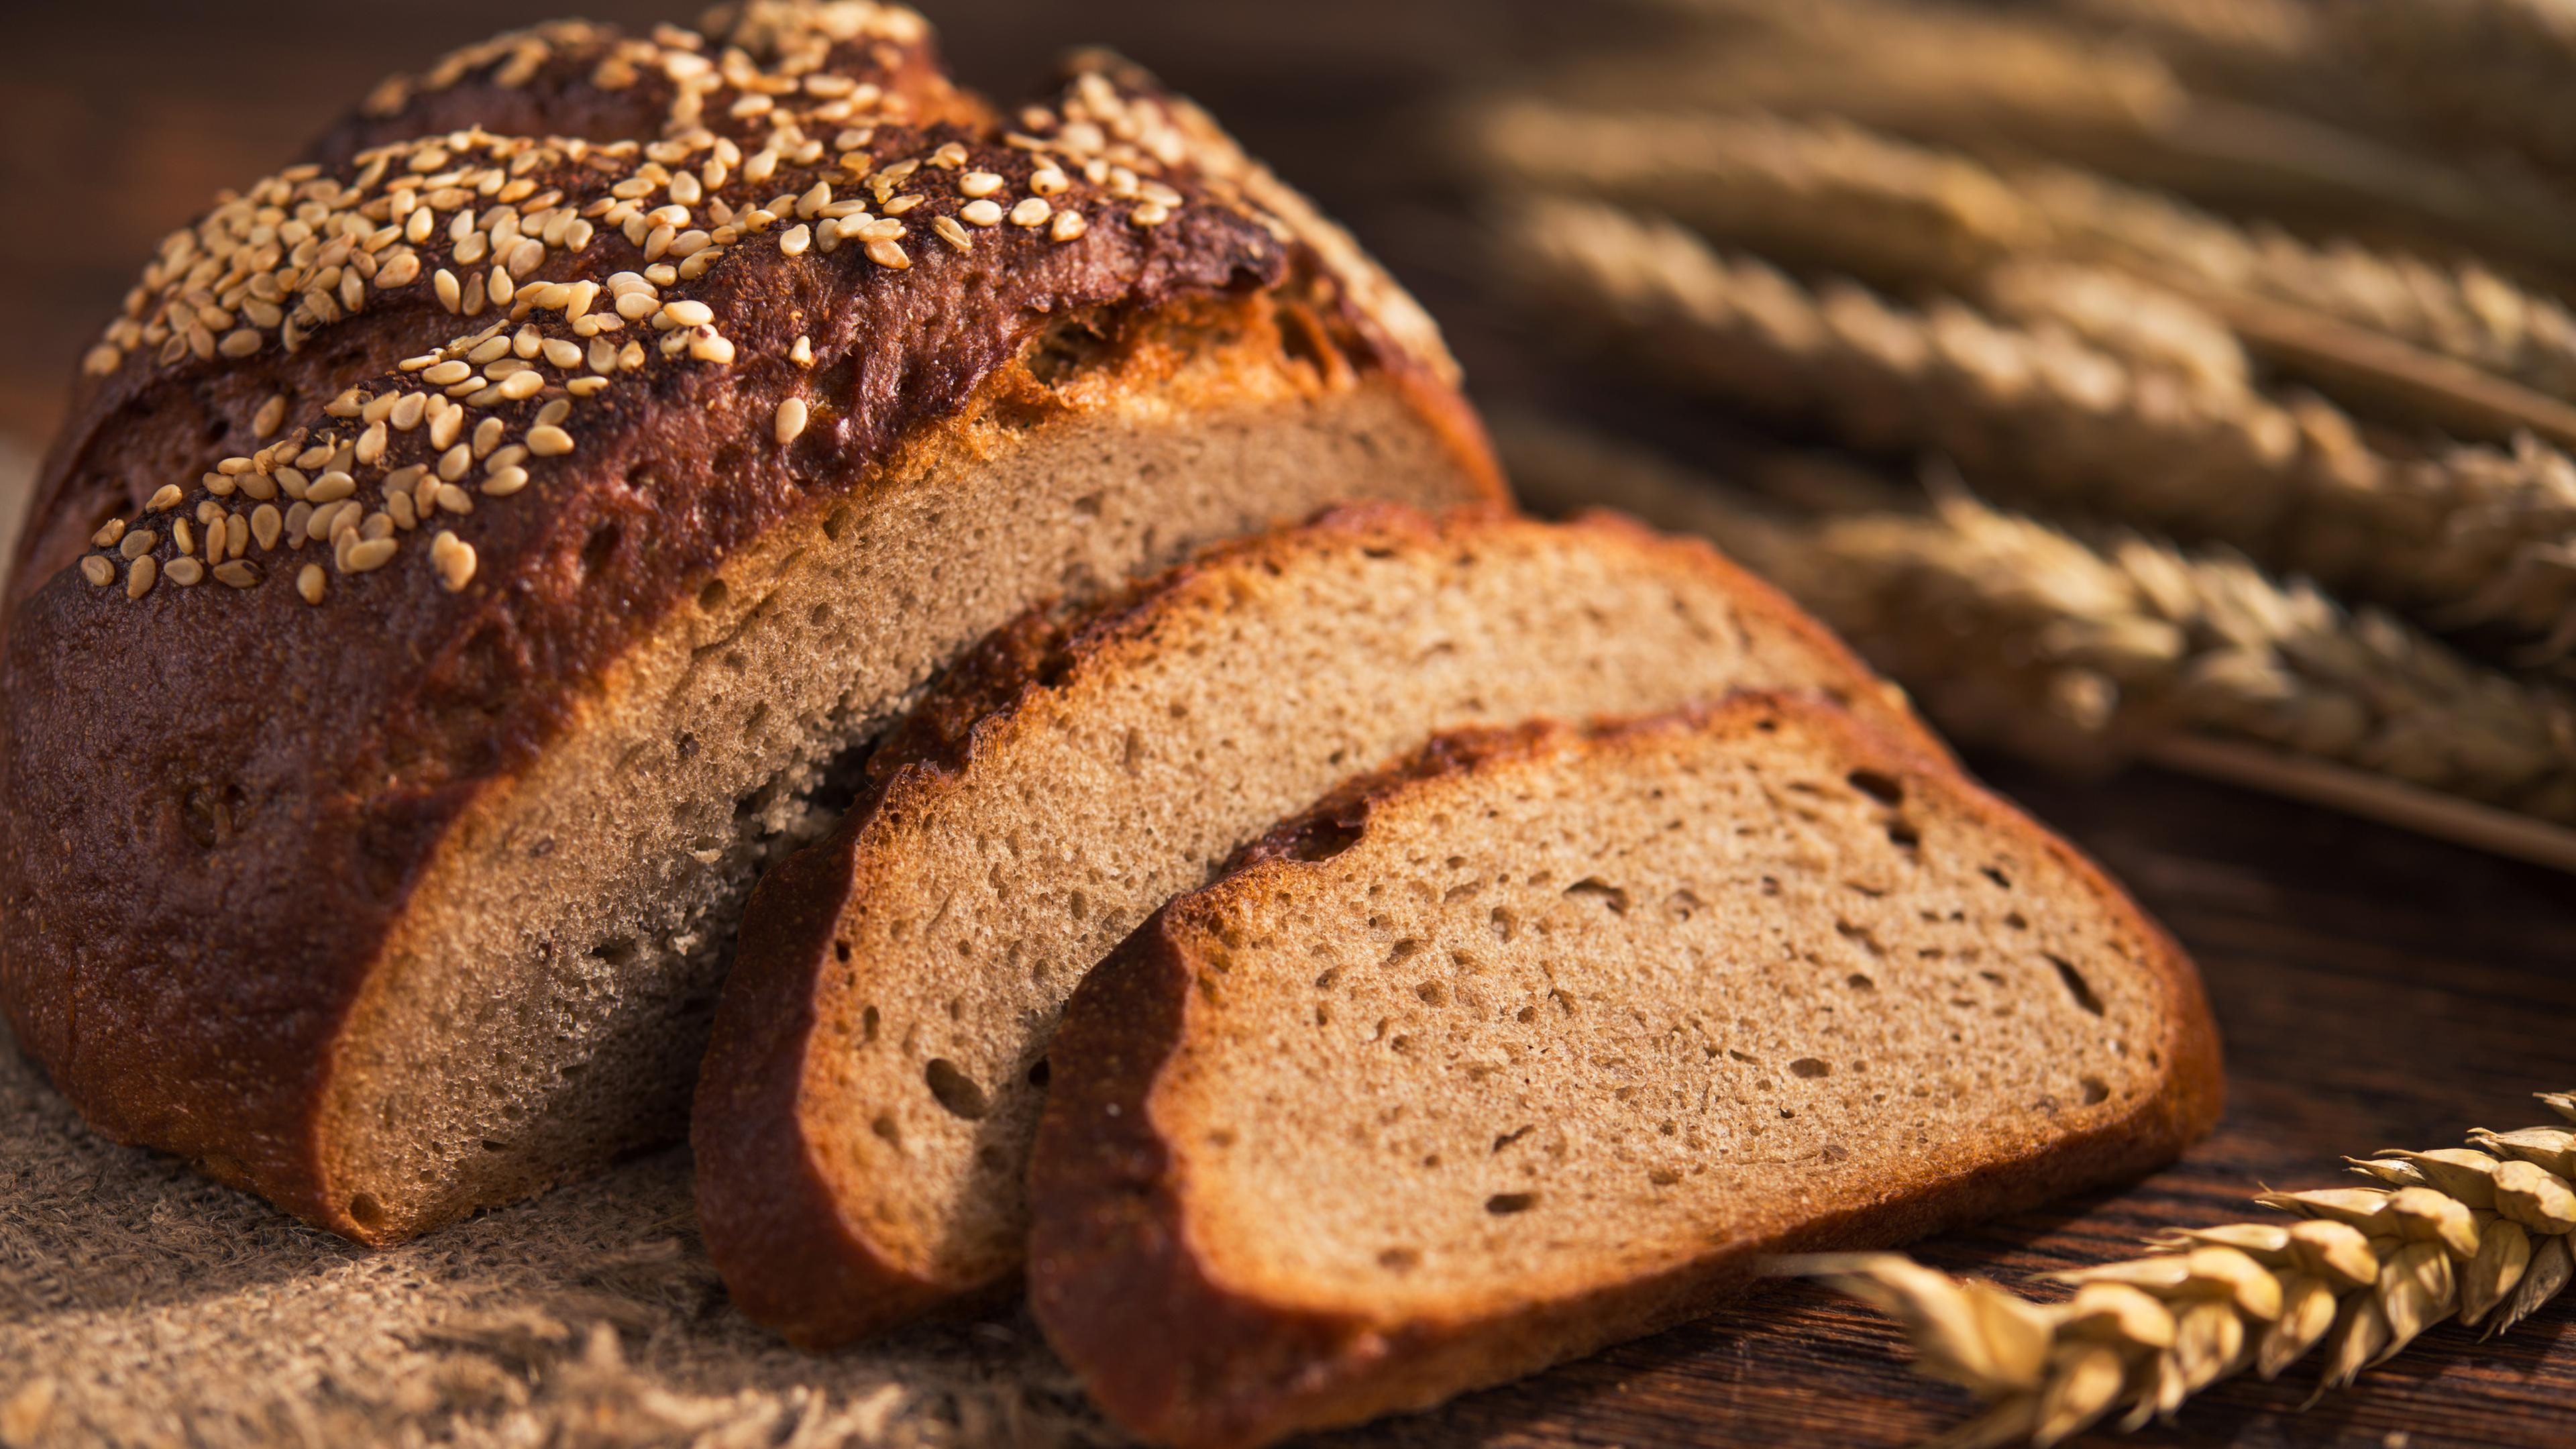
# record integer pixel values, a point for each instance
(2175, 395)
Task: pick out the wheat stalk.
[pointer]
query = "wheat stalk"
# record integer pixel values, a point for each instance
(2480, 1233)
(2089, 651)
(1909, 215)
(2464, 532)
(2005, 81)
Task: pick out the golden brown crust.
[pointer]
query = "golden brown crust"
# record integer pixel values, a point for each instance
(1178, 1357)
(218, 799)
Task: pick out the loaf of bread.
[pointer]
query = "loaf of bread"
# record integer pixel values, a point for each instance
(472, 549)
(1541, 1039)
(879, 1057)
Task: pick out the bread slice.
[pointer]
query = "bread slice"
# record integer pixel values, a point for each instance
(388, 863)
(1541, 1039)
(879, 1056)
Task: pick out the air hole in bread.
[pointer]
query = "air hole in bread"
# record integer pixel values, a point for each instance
(836, 524)
(1997, 876)
(1432, 993)
(2095, 1092)
(212, 814)
(868, 1023)
(1038, 1073)
(1323, 840)
(366, 1212)
(712, 596)
(1400, 1260)
(1902, 834)
(1811, 1067)
(1511, 1202)
(1608, 894)
(617, 951)
(2076, 985)
(1882, 788)
(954, 1090)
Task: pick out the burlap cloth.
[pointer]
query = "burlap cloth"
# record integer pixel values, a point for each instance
(142, 1305)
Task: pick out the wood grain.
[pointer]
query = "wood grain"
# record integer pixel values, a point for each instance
(2376, 989)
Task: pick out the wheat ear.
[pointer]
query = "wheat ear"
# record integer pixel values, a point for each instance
(2493, 71)
(2480, 1232)
(2463, 532)
(2088, 651)
(2456, 343)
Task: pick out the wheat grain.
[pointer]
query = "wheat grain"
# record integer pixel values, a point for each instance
(2479, 1233)
(1909, 216)
(2461, 532)
(2085, 651)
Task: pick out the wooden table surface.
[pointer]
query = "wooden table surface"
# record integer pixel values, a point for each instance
(2375, 989)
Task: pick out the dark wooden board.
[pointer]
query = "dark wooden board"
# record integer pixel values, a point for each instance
(2375, 989)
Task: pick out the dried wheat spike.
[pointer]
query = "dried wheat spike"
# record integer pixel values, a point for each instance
(2082, 651)
(2490, 71)
(2463, 532)
(1908, 216)
(2478, 1234)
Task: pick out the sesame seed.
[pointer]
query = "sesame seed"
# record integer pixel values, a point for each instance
(140, 576)
(981, 213)
(453, 557)
(499, 286)
(184, 572)
(98, 570)
(369, 555)
(237, 535)
(814, 199)
(406, 413)
(270, 417)
(310, 583)
(402, 271)
(586, 386)
(139, 543)
(555, 412)
(707, 346)
(1030, 212)
(687, 314)
(793, 241)
(264, 524)
(1049, 181)
(802, 354)
(791, 419)
(636, 306)
(448, 373)
(330, 488)
(505, 481)
(1150, 214)
(562, 354)
(449, 296)
(379, 524)
(241, 573)
(165, 497)
(318, 524)
(455, 499)
(525, 342)
(183, 537)
(1068, 225)
(371, 443)
(108, 533)
(241, 342)
(548, 441)
(978, 183)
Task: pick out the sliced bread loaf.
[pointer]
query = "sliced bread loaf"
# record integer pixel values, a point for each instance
(1541, 1039)
(879, 1055)
(403, 688)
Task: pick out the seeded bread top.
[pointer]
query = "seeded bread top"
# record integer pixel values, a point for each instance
(387, 458)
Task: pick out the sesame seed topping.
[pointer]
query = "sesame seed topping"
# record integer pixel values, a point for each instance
(548, 441)
(802, 353)
(140, 576)
(270, 417)
(1049, 181)
(1068, 225)
(688, 314)
(310, 583)
(449, 296)
(167, 496)
(139, 543)
(184, 572)
(369, 555)
(979, 183)
(454, 559)
(98, 570)
(241, 573)
(108, 533)
(791, 419)
(1030, 211)
(888, 254)
(793, 241)
(981, 213)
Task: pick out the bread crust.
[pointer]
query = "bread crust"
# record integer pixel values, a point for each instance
(1178, 1356)
(219, 801)
(790, 1256)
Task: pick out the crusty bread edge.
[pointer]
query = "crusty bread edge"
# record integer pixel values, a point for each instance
(1178, 1357)
(792, 1259)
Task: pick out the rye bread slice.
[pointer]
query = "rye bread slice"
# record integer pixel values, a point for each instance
(864, 1115)
(1542, 1039)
